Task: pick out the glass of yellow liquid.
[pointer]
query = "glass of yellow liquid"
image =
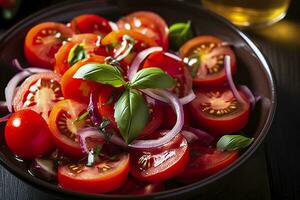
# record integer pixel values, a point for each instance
(246, 13)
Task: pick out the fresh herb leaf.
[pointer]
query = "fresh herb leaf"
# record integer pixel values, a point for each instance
(76, 54)
(81, 117)
(233, 142)
(152, 77)
(93, 155)
(101, 73)
(179, 33)
(131, 114)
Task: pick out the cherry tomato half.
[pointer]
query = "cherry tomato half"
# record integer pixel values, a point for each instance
(39, 92)
(149, 24)
(91, 45)
(63, 127)
(89, 23)
(116, 42)
(205, 57)
(27, 134)
(174, 68)
(161, 163)
(217, 110)
(205, 161)
(43, 41)
(79, 89)
(104, 176)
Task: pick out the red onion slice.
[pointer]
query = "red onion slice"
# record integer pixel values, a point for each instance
(204, 137)
(10, 89)
(174, 56)
(139, 59)
(252, 99)
(177, 106)
(232, 86)
(92, 109)
(5, 118)
(93, 132)
(184, 100)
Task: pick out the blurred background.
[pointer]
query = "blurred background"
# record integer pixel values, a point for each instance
(275, 168)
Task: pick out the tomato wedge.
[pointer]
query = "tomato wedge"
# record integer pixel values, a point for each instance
(63, 127)
(205, 161)
(116, 42)
(91, 45)
(39, 92)
(217, 110)
(205, 57)
(104, 176)
(90, 23)
(174, 68)
(79, 89)
(149, 24)
(43, 41)
(162, 163)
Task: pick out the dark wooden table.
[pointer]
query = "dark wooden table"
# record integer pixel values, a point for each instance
(274, 171)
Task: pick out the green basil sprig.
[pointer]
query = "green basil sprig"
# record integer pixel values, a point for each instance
(131, 110)
(179, 33)
(233, 142)
(131, 114)
(76, 54)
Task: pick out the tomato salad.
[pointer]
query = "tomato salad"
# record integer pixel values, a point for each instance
(124, 107)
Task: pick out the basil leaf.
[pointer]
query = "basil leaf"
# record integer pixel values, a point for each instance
(194, 62)
(152, 77)
(101, 73)
(233, 142)
(179, 33)
(76, 54)
(131, 114)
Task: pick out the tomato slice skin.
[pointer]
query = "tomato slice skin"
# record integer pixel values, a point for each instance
(226, 123)
(174, 68)
(62, 115)
(205, 161)
(78, 89)
(27, 134)
(90, 23)
(209, 50)
(170, 160)
(43, 41)
(148, 23)
(39, 92)
(92, 180)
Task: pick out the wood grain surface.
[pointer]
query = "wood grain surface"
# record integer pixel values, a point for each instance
(274, 171)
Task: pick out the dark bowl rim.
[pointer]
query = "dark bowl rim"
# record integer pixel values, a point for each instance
(53, 189)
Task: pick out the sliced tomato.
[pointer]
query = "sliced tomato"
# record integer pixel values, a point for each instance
(27, 134)
(79, 89)
(205, 57)
(43, 41)
(133, 186)
(174, 68)
(217, 110)
(63, 127)
(118, 45)
(104, 176)
(91, 44)
(148, 23)
(39, 92)
(90, 23)
(205, 161)
(161, 163)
